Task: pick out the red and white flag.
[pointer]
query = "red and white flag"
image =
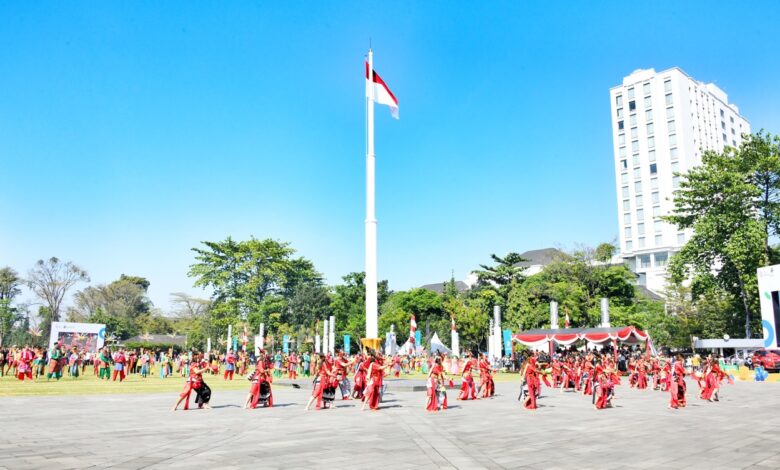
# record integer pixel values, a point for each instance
(453, 324)
(412, 329)
(566, 324)
(380, 93)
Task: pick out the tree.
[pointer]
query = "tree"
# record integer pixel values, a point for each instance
(122, 305)
(348, 303)
(507, 270)
(731, 203)
(604, 252)
(250, 279)
(10, 284)
(51, 280)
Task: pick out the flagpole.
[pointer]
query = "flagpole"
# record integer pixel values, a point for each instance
(372, 329)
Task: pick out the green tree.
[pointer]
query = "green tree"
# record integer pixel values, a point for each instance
(731, 202)
(502, 274)
(348, 304)
(122, 305)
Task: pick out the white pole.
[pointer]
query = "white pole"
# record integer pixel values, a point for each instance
(497, 331)
(455, 343)
(554, 315)
(372, 326)
(325, 336)
(229, 337)
(208, 345)
(332, 339)
(262, 335)
(491, 343)
(317, 343)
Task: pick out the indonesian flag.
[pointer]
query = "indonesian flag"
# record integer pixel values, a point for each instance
(244, 338)
(453, 324)
(380, 93)
(412, 329)
(566, 324)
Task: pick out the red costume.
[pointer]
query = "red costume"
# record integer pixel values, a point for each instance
(486, 379)
(119, 366)
(677, 386)
(435, 382)
(374, 387)
(323, 382)
(532, 380)
(230, 366)
(23, 368)
(194, 382)
(360, 378)
(260, 376)
(467, 390)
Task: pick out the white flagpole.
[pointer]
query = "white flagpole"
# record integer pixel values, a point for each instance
(372, 328)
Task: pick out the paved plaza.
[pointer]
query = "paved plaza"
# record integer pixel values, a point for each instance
(139, 431)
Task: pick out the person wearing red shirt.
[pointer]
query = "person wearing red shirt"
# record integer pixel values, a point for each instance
(119, 365)
(467, 388)
(437, 397)
(261, 375)
(530, 374)
(23, 367)
(375, 374)
(677, 385)
(325, 374)
(193, 384)
(292, 366)
(361, 374)
(230, 365)
(340, 365)
(486, 386)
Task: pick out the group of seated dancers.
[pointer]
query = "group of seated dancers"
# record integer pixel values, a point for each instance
(591, 374)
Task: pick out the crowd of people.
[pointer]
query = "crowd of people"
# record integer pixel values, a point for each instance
(591, 373)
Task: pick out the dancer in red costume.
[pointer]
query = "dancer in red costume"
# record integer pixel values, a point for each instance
(292, 366)
(193, 384)
(557, 373)
(641, 374)
(586, 378)
(119, 365)
(360, 377)
(487, 387)
(230, 365)
(375, 374)
(260, 377)
(713, 376)
(325, 375)
(530, 374)
(569, 375)
(677, 385)
(340, 366)
(23, 367)
(435, 388)
(467, 389)
(604, 387)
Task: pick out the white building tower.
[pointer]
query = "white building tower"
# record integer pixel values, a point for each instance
(661, 124)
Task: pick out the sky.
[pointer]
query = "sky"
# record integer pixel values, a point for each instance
(130, 132)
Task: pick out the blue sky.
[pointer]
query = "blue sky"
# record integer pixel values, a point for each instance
(131, 131)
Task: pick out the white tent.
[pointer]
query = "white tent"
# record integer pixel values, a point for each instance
(438, 346)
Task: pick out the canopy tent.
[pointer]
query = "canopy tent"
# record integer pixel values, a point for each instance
(567, 336)
(438, 346)
(409, 349)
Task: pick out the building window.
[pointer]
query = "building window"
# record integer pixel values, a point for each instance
(654, 183)
(640, 215)
(656, 211)
(668, 85)
(646, 88)
(657, 226)
(620, 113)
(629, 245)
(624, 178)
(651, 155)
(639, 202)
(671, 126)
(723, 125)
(634, 133)
(724, 138)
(668, 99)
(627, 219)
(626, 205)
(620, 125)
(631, 106)
(661, 258)
(635, 146)
(673, 153)
(659, 240)
(623, 164)
(632, 120)
(733, 143)
(648, 102)
(631, 93)
(625, 191)
(649, 115)
(641, 242)
(621, 139)
(656, 199)
(635, 159)
(637, 173)
(637, 187)
(622, 152)
(675, 167)
(675, 182)
(627, 232)
(640, 229)
(653, 169)
(650, 129)
(731, 119)
(619, 101)
(721, 113)
(732, 131)
(669, 112)
(673, 139)
(644, 261)
(681, 239)
(651, 142)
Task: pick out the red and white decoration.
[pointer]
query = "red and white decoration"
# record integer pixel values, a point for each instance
(380, 93)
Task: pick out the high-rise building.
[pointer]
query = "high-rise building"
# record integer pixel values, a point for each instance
(661, 124)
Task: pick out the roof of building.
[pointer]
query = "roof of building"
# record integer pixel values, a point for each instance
(645, 292)
(541, 257)
(439, 287)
